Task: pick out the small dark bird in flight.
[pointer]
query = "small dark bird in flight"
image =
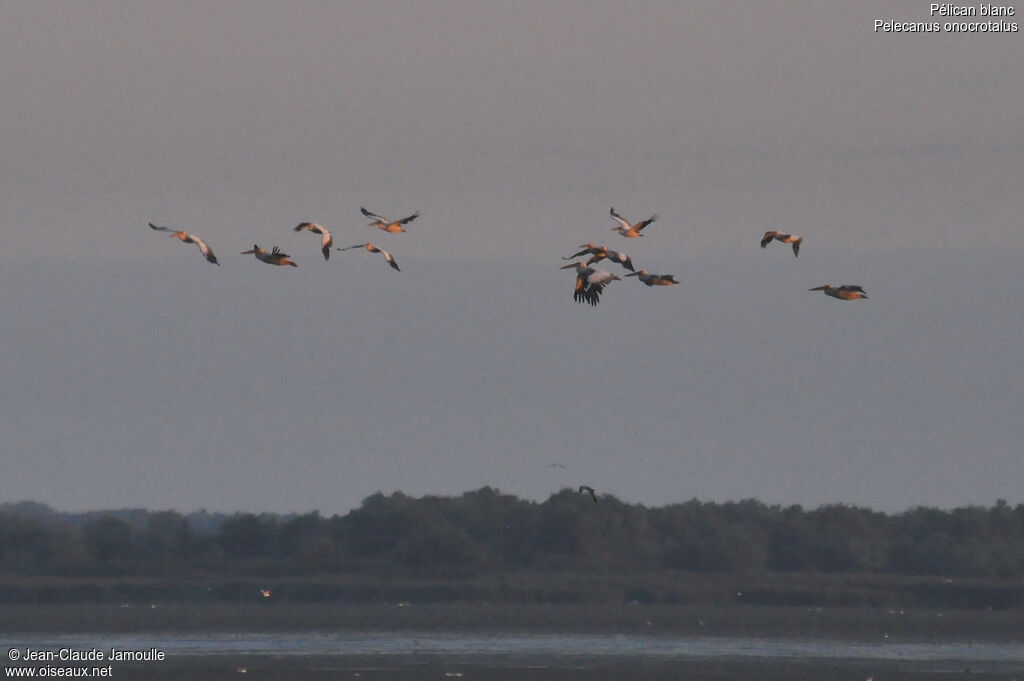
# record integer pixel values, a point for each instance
(589, 490)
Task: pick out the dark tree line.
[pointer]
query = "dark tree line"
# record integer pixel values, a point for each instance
(486, 532)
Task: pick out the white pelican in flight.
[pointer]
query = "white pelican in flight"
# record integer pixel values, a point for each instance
(275, 257)
(590, 282)
(844, 292)
(189, 239)
(795, 241)
(628, 230)
(374, 249)
(654, 279)
(326, 240)
(599, 253)
(388, 225)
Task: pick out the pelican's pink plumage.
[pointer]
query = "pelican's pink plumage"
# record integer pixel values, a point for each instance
(626, 229)
(187, 238)
(275, 257)
(326, 240)
(375, 249)
(394, 226)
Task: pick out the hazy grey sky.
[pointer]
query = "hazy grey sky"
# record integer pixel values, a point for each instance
(133, 373)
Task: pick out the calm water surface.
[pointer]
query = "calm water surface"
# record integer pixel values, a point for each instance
(525, 646)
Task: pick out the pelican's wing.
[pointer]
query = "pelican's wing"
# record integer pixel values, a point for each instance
(303, 225)
(160, 229)
(277, 251)
(579, 293)
(326, 241)
(588, 249)
(640, 225)
(205, 250)
(371, 215)
(390, 258)
(619, 219)
(796, 249)
(767, 238)
(409, 219)
(852, 287)
(587, 290)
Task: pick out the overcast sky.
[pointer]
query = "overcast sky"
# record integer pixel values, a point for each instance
(134, 373)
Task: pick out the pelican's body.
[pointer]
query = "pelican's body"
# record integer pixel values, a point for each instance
(793, 241)
(628, 230)
(375, 249)
(275, 257)
(189, 239)
(654, 279)
(326, 240)
(590, 282)
(844, 292)
(388, 225)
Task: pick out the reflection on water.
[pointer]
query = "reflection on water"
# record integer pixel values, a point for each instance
(525, 646)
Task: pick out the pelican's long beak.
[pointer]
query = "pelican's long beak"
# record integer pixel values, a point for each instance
(633, 274)
(819, 288)
(570, 266)
(249, 252)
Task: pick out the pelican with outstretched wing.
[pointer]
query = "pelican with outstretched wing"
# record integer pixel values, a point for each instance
(626, 229)
(375, 249)
(793, 241)
(844, 292)
(189, 239)
(326, 240)
(599, 253)
(275, 257)
(590, 282)
(654, 279)
(388, 225)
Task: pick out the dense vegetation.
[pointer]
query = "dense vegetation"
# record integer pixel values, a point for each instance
(485, 532)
